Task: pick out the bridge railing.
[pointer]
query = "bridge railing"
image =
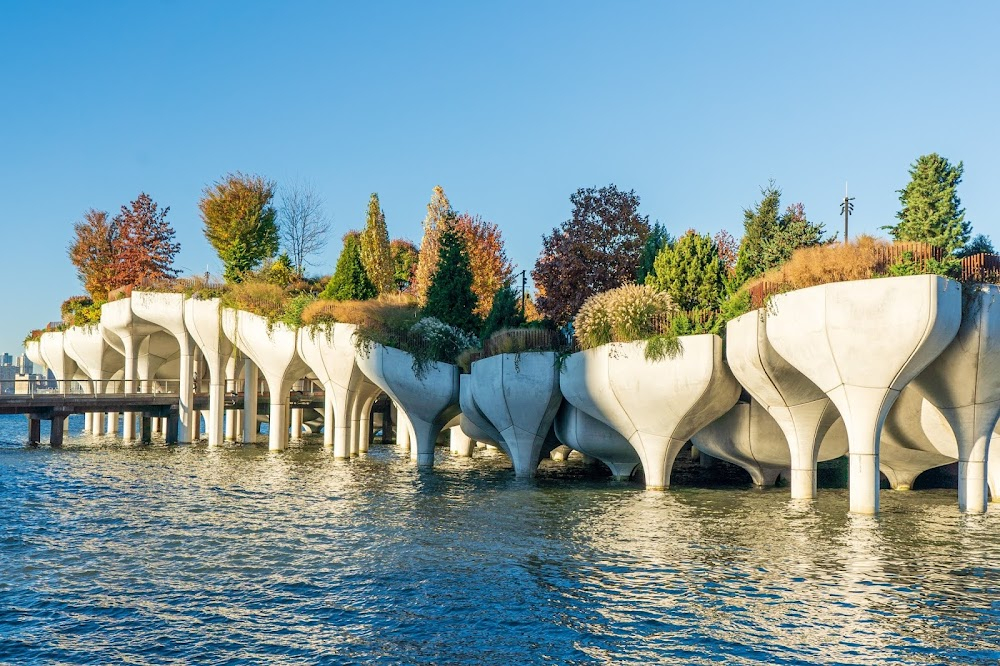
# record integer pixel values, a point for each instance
(117, 387)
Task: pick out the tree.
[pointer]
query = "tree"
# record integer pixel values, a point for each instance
(92, 252)
(350, 282)
(597, 249)
(404, 262)
(932, 212)
(728, 250)
(769, 237)
(439, 216)
(505, 311)
(376, 254)
(491, 268)
(240, 222)
(304, 228)
(691, 271)
(449, 296)
(658, 239)
(980, 244)
(144, 244)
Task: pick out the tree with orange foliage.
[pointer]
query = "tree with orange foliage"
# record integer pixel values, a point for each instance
(92, 252)
(144, 247)
(491, 269)
(439, 217)
(729, 249)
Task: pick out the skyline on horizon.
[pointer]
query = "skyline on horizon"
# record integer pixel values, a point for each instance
(693, 112)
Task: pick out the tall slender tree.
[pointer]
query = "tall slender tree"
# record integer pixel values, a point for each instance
(145, 243)
(931, 210)
(597, 249)
(449, 295)
(658, 239)
(491, 268)
(239, 221)
(350, 281)
(376, 254)
(92, 252)
(404, 262)
(439, 216)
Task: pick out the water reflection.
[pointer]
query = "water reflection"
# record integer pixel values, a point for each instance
(147, 553)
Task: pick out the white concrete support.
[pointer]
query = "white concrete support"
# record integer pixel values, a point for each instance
(429, 401)
(94, 358)
(582, 432)
(296, 429)
(330, 353)
(963, 382)
(251, 382)
(835, 334)
(460, 444)
(403, 432)
(88, 421)
(656, 405)
(203, 320)
(473, 423)
(112, 426)
(230, 425)
(915, 438)
(800, 409)
(329, 420)
(272, 347)
(364, 423)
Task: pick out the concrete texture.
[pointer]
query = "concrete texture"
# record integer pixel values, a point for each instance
(582, 432)
(429, 401)
(915, 438)
(330, 354)
(473, 422)
(963, 382)
(836, 335)
(272, 348)
(656, 405)
(799, 408)
(203, 320)
(519, 395)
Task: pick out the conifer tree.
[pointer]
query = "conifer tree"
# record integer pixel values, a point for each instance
(404, 261)
(375, 253)
(439, 216)
(932, 212)
(350, 282)
(449, 296)
(504, 313)
(691, 271)
(658, 239)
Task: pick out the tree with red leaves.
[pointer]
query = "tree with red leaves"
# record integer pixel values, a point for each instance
(491, 269)
(598, 249)
(144, 245)
(93, 253)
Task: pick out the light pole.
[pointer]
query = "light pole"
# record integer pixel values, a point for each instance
(846, 207)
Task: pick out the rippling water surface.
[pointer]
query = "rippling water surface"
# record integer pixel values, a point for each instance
(114, 553)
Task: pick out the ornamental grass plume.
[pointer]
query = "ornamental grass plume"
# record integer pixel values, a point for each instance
(628, 313)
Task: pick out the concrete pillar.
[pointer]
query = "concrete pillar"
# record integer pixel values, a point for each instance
(296, 423)
(145, 429)
(230, 421)
(56, 431)
(251, 381)
(403, 432)
(239, 422)
(329, 420)
(34, 429)
(88, 421)
(460, 444)
(173, 425)
(130, 385)
(97, 424)
(185, 403)
(364, 424)
(112, 426)
(155, 426)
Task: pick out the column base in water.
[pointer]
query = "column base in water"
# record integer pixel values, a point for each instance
(972, 493)
(864, 483)
(803, 483)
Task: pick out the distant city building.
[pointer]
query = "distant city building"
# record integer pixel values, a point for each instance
(7, 375)
(24, 365)
(6, 359)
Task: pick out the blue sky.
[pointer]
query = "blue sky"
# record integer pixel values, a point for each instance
(509, 106)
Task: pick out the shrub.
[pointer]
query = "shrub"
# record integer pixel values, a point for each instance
(80, 311)
(628, 313)
(260, 298)
(428, 340)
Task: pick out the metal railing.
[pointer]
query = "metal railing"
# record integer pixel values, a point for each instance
(116, 387)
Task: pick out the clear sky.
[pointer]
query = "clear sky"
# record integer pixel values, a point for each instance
(509, 106)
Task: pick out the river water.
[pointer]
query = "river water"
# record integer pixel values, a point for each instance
(116, 553)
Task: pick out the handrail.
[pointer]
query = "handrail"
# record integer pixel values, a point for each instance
(81, 387)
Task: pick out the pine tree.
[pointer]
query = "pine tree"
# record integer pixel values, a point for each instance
(439, 216)
(658, 239)
(504, 313)
(691, 271)
(449, 296)
(350, 282)
(932, 212)
(375, 253)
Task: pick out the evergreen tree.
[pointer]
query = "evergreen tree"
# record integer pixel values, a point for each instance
(504, 313)
(980, 244)
(439, 216)
(658, 239)
(375, 253)
(691, 272)
(449, 296)
(770, 237)
(932, 212)
(350, 282)
(404, 261)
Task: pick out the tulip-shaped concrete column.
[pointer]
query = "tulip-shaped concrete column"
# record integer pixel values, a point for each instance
(272, 349)
(993, 468)
(582, 432)
(429, 400)
(801, 410)
(519, 394)
(472, 422)
(87, 345)
(203, 320)
(329, 353)
(656, 405)
(915, 438)
(963, 382)
(861, 343)
(167, 312)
